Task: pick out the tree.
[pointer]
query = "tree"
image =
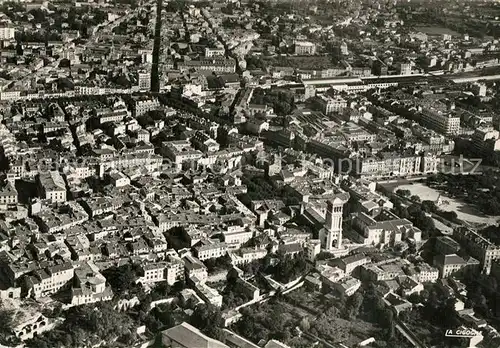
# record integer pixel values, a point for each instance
(289, 268)
(403, 213)
(324, 255)
(404, 193)
(5, 320)
(220, 263)
(323, 327)
(387, 317)
(252, 267)
(163, 315)
(121, 278)
(304, 324)
(415, 198)
(429, 206)
(353, 305)
(208, 319)
(449, 215)
(162, 288)
(391, 330)
(88, 323)
(415, 298)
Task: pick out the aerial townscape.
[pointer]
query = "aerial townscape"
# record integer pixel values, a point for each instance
(249, 173)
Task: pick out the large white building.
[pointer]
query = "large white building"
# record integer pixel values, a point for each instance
(214, 52)
(332, 104)
(305, 48)
(216, 64)
(236, 236)
(141, 106)
(7, 33)
(144, 80)
(443, 122)
(387, 232)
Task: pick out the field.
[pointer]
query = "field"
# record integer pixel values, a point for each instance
(464, 211)
(436, 30)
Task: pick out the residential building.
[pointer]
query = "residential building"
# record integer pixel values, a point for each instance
(449, 264)
(194, 268)
(142, 106)
(49, 280)
(347, 286)
(8, 195)
(442, 121)
(51, 186)
(405, 69)
(246, 255)
(350, 263)
(208, 294)
(236, 236)
(446, 245)
(374, 272)
(312, 248)
(422, 272)
(478, 247)
(89, 285)
(395, 164)
(210, 249)
(485, 140)
(153, 272)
